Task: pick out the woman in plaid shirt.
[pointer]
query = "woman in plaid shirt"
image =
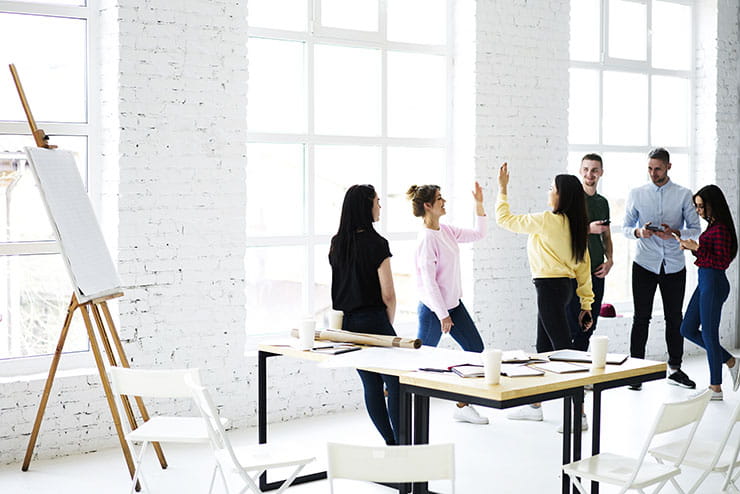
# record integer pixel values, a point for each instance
(714, 252)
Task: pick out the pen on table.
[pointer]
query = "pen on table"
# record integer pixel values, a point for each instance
(430, 369)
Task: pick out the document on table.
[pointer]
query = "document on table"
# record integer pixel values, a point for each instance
(561, 367)
(404, 359)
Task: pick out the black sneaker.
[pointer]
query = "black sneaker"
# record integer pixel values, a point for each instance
(679, 378)
(636, 386)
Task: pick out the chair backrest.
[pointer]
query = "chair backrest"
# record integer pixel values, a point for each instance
(168, 383)
(417, 463)
(673, 416)
(734, 420)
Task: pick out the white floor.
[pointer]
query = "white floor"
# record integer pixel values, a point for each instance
(503, 457)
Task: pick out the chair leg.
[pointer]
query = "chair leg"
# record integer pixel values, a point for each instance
(137, 467)
(699, 481)
(577, 484)
(213, 478)
(290, 479)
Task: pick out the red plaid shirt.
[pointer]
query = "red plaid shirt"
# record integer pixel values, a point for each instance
(714, 247)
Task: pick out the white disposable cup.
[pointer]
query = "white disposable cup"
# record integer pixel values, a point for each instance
(491, 366)
(335, 319)
(599, 345)
(306, 334)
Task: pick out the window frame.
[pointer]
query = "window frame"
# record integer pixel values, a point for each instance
(89, 129)
(607, 63)
(315, 34)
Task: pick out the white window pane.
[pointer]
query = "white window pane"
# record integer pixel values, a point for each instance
(52, 73)
(403, 267)
(670, 111)
(336, 169)
(625, 108)
(275, 277)
(34, 297)
(416, 95)
(406, 167)
(278, 14)
(361, 15)
(404, 25)
(274, 174)
(583, 117)
(627, 29)
(622, 173)
(585, 30)
(276, 90)
(322, 285)
(679, 171)
(347, 90)
(58, 2)
(671, 35)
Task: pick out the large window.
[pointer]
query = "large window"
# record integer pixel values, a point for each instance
(630, 90)
(49, 45)
(339, 93)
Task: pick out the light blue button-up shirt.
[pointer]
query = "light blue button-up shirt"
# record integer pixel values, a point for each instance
(670, 204)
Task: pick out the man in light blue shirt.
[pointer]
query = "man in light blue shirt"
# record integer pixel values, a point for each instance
(656, 215)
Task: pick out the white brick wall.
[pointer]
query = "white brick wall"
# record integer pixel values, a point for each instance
(173, 104)
(522, 117)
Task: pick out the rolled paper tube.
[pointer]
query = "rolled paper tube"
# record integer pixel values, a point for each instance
(363, 338)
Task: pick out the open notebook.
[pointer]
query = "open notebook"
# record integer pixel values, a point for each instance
(578, 356)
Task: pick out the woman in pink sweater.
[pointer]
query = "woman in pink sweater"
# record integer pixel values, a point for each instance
(438, 277)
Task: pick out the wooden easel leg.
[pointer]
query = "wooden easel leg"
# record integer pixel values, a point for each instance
(106, 338)
(49, 381)
(108, 391)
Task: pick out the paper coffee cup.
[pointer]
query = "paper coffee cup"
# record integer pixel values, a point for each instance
(306, 334)
(491, 366)
(599, 345)
(335, 319)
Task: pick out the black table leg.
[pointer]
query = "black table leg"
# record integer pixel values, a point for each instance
(567, 421)
(262, 425)
(421, 433)
(577, 426)
(404, 428)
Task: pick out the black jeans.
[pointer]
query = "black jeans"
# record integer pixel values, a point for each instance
(580, 338)
(384, 418)
(672, 288)
(553, 296)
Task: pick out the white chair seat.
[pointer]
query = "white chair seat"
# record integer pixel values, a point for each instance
(616, 469)
(699, 456)
(259, 457)
(172, 429)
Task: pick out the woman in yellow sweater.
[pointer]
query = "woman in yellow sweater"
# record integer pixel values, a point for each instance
(558, 259)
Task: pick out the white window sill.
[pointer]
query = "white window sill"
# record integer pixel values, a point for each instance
(37, 368)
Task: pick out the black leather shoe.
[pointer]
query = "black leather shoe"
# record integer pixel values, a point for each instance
(679, 378)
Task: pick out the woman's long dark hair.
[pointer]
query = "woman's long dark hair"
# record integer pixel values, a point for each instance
(572, 203)
(357, 216)
(717, 211)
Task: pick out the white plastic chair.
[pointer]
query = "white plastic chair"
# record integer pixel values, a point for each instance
(709, 456)
(633, 473)
(400, 464)
(158, 429)
(245, 464)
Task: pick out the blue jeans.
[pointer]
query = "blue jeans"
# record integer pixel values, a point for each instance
(463, 329)
(384, 418)
(705, 309)
(580, 338)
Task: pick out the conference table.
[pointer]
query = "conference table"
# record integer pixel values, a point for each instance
(417, 387)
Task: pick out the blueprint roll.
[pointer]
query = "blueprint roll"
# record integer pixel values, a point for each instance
(363, 338)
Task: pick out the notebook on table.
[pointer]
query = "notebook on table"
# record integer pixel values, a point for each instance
(585, 357)
(561, 367)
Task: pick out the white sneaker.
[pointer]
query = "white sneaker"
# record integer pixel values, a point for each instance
(584, 425)
(716, 395)
(527, 412)
(469, 414)
(735, 373)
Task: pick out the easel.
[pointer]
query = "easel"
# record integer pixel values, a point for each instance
(108, 337)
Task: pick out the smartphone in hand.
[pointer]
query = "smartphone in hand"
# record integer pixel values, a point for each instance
(585, 321)
(654, 228)
(606, 222)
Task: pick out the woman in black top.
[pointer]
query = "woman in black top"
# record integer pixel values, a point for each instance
(362, 287)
